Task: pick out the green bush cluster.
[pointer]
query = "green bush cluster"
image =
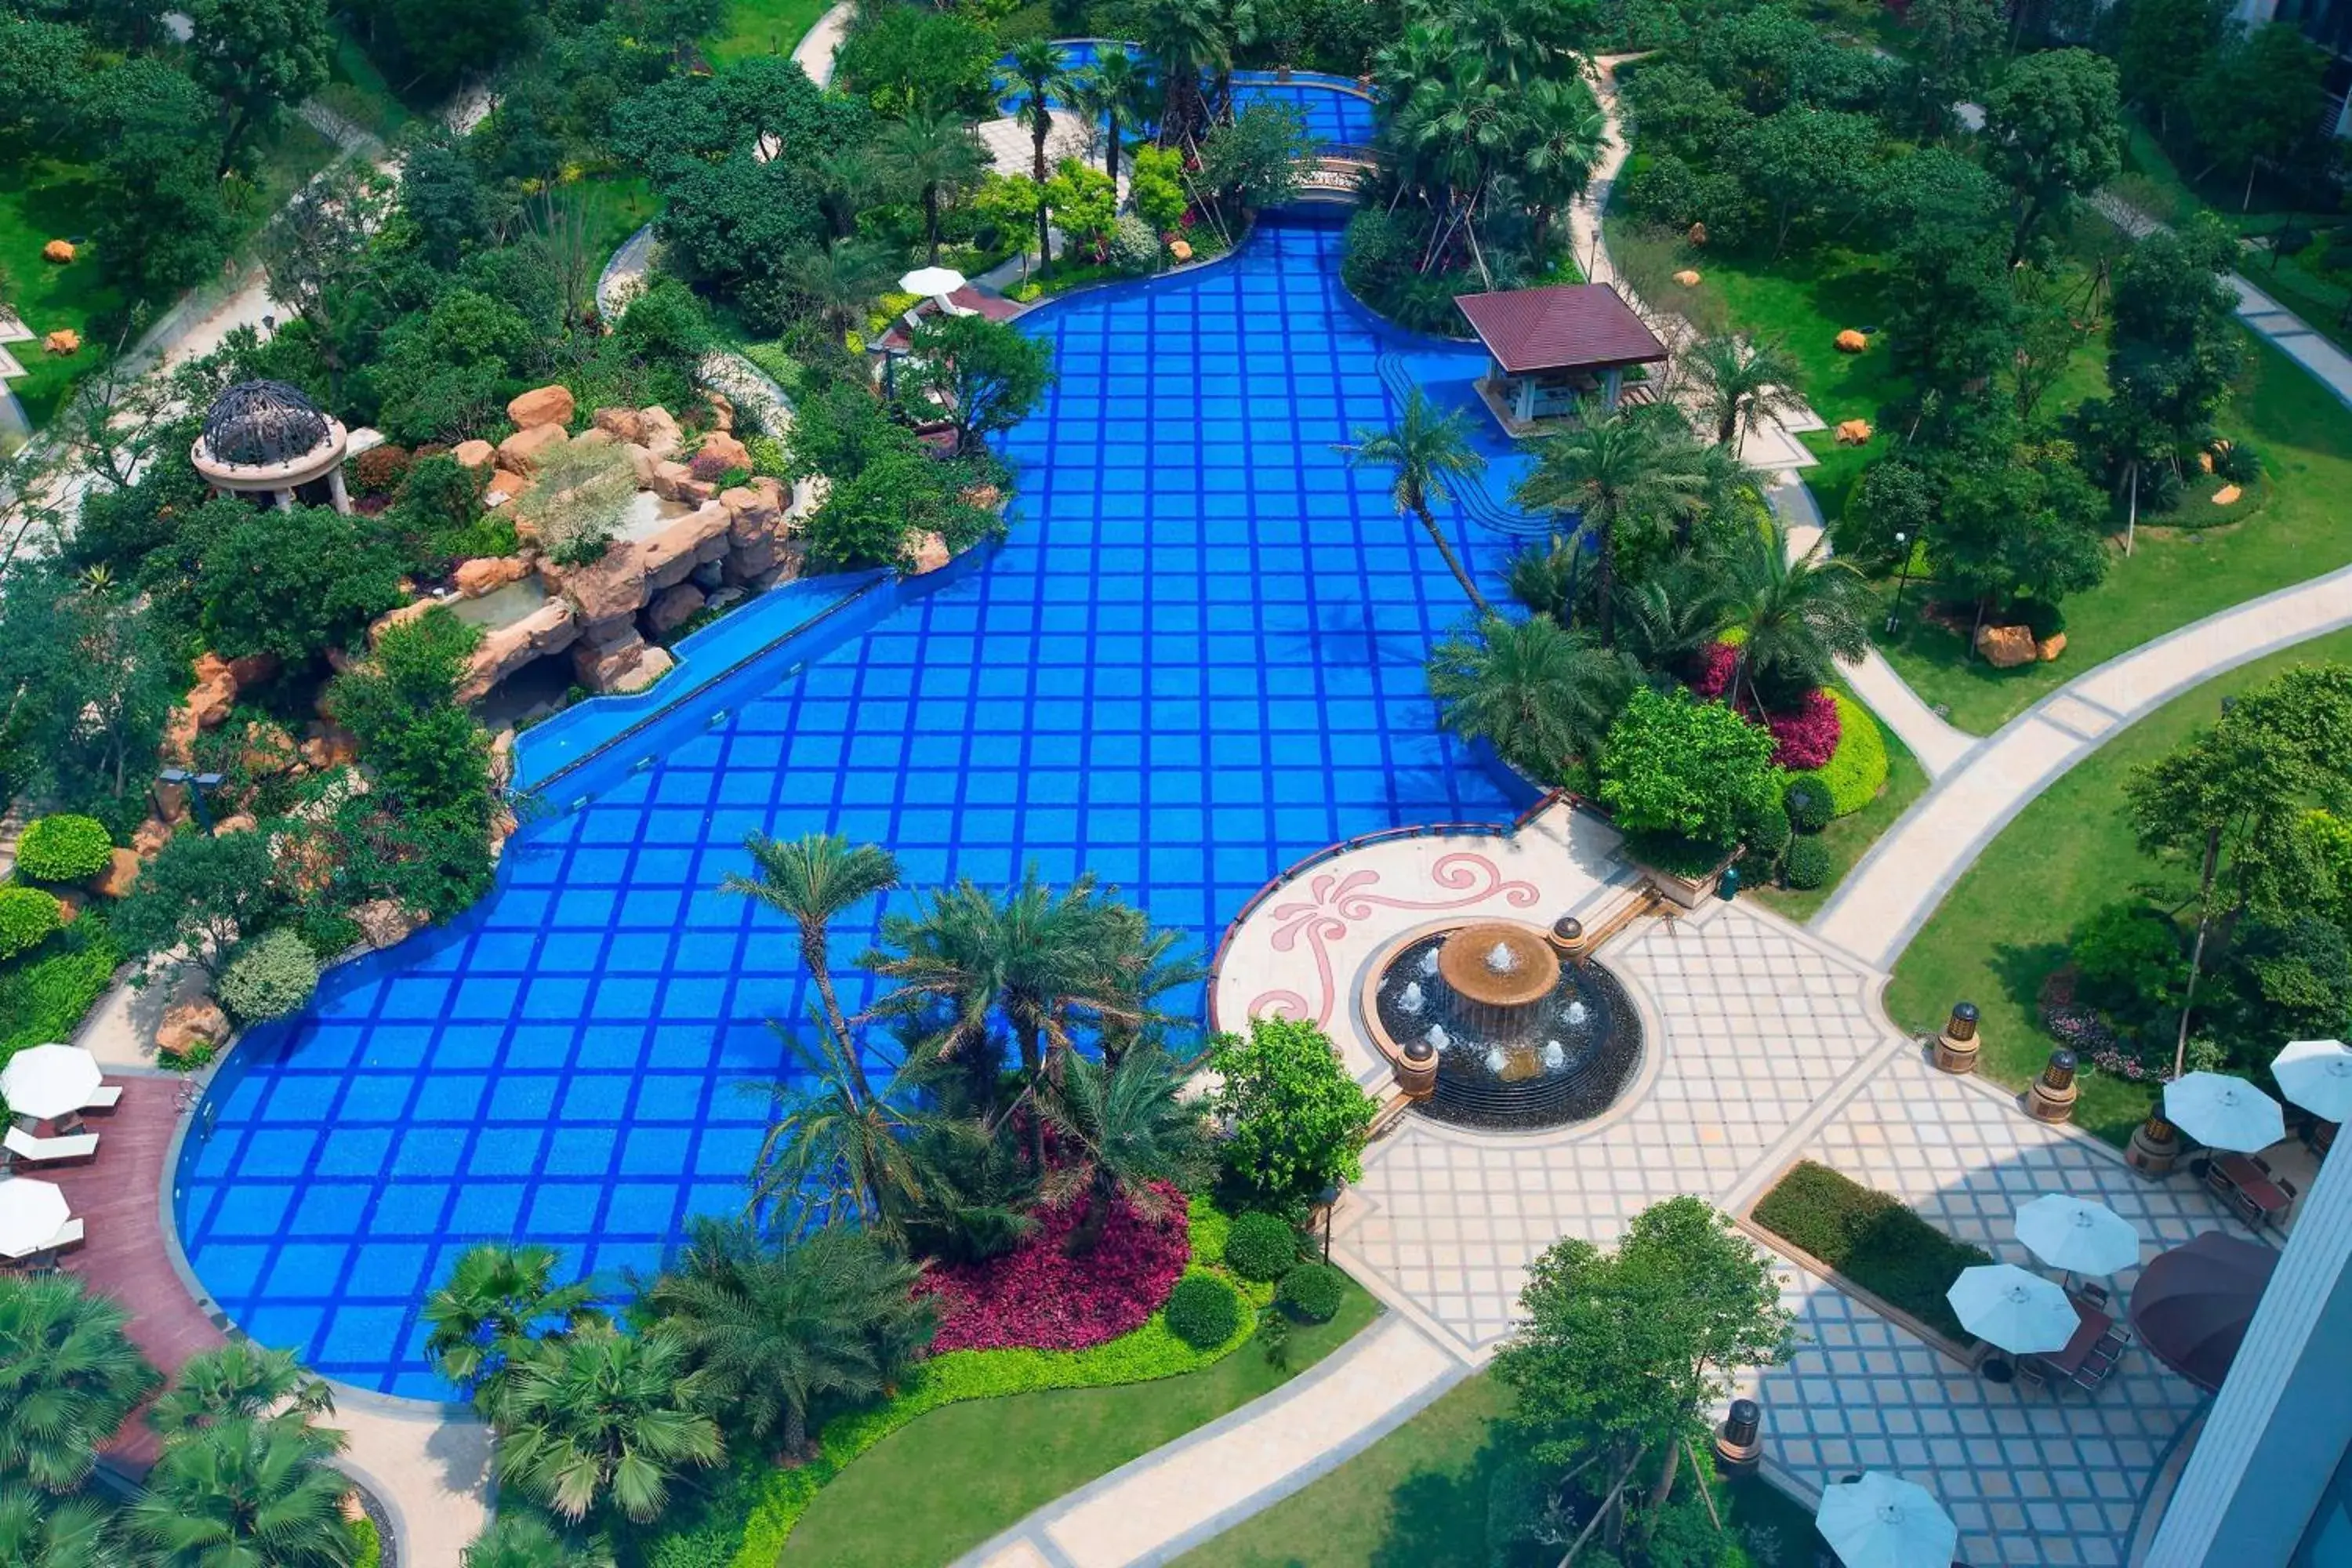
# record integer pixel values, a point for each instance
(1203, 1310)
(1261, 1247)
(63, 848)
(272, 975)
(1807, 804)
(1857, 771)
(1806, 865)
(1313, 1291)
(28, 917)
(1872, 1239)
(367, 1543)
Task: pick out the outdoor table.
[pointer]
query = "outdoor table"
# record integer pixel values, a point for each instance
(2257, 1189)
(2066, 1362)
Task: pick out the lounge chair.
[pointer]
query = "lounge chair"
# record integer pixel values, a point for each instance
(68, 1236)
(105, 1096)
(50, 1151)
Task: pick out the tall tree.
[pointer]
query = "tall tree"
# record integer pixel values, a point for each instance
(486, 1317)
(984, 376)
(2174, 346)
(91, 679)
(1958, 41)
(2053, 132)
(1742, 382)
(840, 280)
(37, 1531)
(1183, 39)
(937, 156)
(1542, 696)
(1042, 76)
(1565, 135)
(2161, 48)
(1800, 614)
(1112, 93)
(259, 58)
(1630, 479)
(1429, 451)
(235, 1381)
(2259, 100)
(68, 1377)
(835, 1153)
(596, 1417)
(810, 880)
(1126, 1132)
(774, 1329)
(254, 1489)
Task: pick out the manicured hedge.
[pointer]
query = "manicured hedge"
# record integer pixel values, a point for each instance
(1806, 863)
(1857, 771)
(1872, 1239)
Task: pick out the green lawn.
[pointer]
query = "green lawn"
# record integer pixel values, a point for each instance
(1850, 838)
(2293, 529)
(763, 28)
(2003, 929)
(42, 200)
(1417, 1499)
(961, 1474)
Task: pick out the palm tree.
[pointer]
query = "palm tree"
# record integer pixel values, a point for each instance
(776, 1330)
(1431, 452)
(1126, 1132)
(840, 280)
(1037, 66)
(1671, 616)
(833, 1153)
(251, 1489)
(68, 1376)
(1621, 476)
(484, 1320)
(1553, 579)
(847, 180)
(37, 1531)
(518, 1540)
(1565, 132)
(1540, 695)
(932, 154)
(1183, 39)
(235, 1380)
(597, 1415)
(1239, 23)
(809, 881)
(1800, 616)
(1111, 91)
(1742, 382)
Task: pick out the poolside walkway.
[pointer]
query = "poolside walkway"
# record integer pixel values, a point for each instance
(1883, 902)
(813, 54)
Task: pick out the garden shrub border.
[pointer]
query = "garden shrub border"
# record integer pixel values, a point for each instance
(1809, 1184)
(1146, 1356)
(1857, 770)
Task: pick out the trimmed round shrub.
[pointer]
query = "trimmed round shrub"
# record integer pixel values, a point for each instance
(1312, 1291)
(64, 849)
(1857, 771)
(1769, 834)
(1203, 1310)
(28, 919)
(269, 977)
(1807, 804)
(1261, 1247)
(1807, 864)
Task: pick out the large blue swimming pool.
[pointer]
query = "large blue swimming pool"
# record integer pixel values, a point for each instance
(1333, 108)
(1198, 658)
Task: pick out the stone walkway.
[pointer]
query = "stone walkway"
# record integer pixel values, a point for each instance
(1883, 902)
(813, 54)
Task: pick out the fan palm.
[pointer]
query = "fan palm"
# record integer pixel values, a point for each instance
(41, 1531)
(1565, 132)
(810, 880)
(483, 1321)
(1540, 695)
(1037, 66)
(252, 1490)
(518, 1540)
(1670, 617)
(1183, 39)
(774, 1331)
(1110, 93)
(840, 280)
(68, 1376)
(238, 1380)
(1553, 579)
(1801, 614)
(1624, 477)
(933, 154)
(833, 1152)
(597, 1415)
(1430, 451)
(1239, 23)
(1742, 382)
(1124, 1131)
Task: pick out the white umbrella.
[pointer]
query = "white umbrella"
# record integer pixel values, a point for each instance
(31, 1213)
(2223, 1113)
(49, 1081)
(1884, 1521)
(931, 282)
(2317, 1076)
(2076, 1235)
(2021, 1313)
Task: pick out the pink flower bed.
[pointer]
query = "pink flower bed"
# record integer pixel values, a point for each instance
(1714, 670)
(1038, 1297)
(1806, 738)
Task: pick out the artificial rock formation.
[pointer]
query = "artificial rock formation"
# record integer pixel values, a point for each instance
(2006, 647)
(187, 1024)
(542, 405)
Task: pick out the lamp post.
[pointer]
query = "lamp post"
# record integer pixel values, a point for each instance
(1902, 581)
(1330, 1198)
(196, 784)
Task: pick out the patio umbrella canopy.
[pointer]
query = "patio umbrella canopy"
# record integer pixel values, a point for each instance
(1884, 1521)
(2023, 1314)
(2192, 1304)
(2317, 1076)
(31, 1213)
(49, 1081)
(2077, 1235)
(932, 281)
(2223, 1113)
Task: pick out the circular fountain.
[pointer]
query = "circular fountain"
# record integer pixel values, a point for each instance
(1521, 1039)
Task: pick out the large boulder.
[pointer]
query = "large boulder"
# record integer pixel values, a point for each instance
(600, 665)
(701, 535)
(121, 872)
(542, 405)
(673, 608)
(658, 433)
(926, 551)
(621, 424)
(551, 628)
(475, 454)
(751, 515)
(327, 745)
(2006, 647)
(384, 922)
(187, 1024)
(252, 669)
(519, 452)
(721, 451)
(235, 822)
(147, 840)
(719, 410)
(642, 463)
(269, 751)
(2050, 647)
(488, 574)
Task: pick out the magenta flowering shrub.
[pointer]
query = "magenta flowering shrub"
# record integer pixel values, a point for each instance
(1713, 671)
(1807, 737)
(1039, 1297)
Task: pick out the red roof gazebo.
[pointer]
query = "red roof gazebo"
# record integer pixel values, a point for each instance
(1558, 352)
